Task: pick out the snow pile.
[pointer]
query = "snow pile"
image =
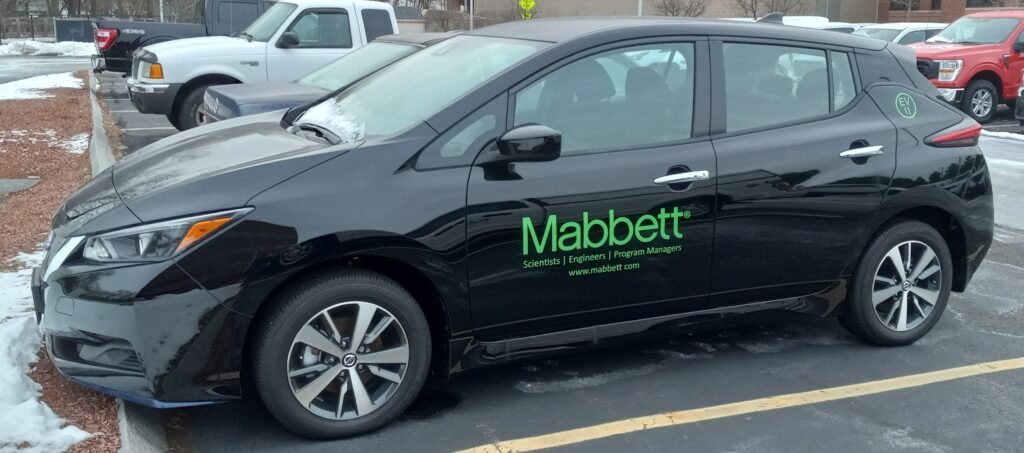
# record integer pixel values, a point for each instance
(1007, 135)
(26, 424)
(35, 87)
(76, 144)
(48, 49)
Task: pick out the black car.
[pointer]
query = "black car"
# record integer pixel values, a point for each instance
(522, 189)
(230, 101)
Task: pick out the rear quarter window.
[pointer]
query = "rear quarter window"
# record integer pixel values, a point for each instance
(882, 66)
(377, 23)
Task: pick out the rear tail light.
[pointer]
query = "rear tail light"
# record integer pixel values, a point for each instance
(105, 37)
(966, 133)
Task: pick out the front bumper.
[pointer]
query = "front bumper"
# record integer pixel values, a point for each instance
(153, 97)
(951, 95)
(147, 333)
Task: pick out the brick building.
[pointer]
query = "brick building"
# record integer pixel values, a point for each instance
(937, 10)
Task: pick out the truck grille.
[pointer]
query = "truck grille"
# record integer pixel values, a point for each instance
(928, 68)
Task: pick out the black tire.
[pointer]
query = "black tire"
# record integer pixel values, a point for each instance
(973, 88)
(859, 314)
(187, 112)
(302, 302)
(173, 119)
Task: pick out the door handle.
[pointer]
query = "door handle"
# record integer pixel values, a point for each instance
(679, 178)
(866, 151)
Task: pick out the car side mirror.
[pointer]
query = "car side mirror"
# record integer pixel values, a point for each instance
(1018, 47)
(288, 39)
(530, 143)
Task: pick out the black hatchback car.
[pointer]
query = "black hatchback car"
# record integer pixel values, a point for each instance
(522, 189)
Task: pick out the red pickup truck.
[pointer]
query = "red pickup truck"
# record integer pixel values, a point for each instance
(976, 62)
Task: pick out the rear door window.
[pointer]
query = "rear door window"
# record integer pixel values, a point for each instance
(376, 23)
(236, 16)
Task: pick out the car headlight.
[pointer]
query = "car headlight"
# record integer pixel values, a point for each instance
(949, 70)
(156, 241)
(154, 71)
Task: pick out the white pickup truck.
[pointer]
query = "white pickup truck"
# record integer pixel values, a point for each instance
(291, 39)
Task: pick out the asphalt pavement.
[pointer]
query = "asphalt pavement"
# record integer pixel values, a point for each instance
(697, 372)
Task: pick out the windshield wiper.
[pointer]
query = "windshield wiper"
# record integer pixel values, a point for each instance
(320, 132)
(243, 34)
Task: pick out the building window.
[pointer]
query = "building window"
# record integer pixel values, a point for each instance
(918, 5)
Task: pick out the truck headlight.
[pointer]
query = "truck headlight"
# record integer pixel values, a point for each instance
(949, 70)
(157, 241)
(153, 71)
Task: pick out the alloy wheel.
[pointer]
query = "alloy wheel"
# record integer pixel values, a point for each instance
(907, 285)
(981, 103)
(348, 360)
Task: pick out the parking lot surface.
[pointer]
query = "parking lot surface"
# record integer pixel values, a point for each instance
(17, 68)
(541, 397)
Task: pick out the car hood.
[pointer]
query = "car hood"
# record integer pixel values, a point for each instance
(210, 168)
(207, 46)
(938, 50)
(230, 101)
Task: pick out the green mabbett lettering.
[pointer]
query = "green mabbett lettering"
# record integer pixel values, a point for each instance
(593, 232)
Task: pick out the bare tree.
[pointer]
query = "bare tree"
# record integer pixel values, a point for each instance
(685, 8)
(758, 8)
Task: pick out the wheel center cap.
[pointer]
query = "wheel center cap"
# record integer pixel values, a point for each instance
(906, 285)
(349, 360)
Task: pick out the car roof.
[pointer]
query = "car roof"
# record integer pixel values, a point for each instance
(419, 39)
(557, 30)
(1014, 13)
(905, 25)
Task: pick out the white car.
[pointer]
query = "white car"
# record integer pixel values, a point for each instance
(291, 39)
(902, 32)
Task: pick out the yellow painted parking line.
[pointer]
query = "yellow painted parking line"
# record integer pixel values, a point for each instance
(770, 403)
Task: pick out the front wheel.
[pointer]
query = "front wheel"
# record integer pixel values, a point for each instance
(342, 354)
(980, 100)
(901, 285)
(190, 112)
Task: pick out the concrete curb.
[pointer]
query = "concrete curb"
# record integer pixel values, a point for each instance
(101, 156)
(141, 428)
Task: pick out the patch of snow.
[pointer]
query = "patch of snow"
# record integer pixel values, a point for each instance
(27, 425)
(77, 144)
(576, 382)
(48, 49)
(35, 87)
(672, 354)
(1007, 135)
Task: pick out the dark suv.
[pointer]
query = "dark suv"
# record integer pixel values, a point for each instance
(523, 189)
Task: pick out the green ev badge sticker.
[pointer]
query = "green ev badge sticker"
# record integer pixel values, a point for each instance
(906, 106)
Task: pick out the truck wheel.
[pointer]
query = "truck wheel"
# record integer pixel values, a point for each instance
(173, 119)
(901, 285)
(190, 111)
(341, 354)
(980, 100)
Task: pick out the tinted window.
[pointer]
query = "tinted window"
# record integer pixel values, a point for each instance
(323, 29)
(461, 144)
(912, 37)
(767, 85)
(236, 15)
(625, 98)
(843, 86)
(376, 22)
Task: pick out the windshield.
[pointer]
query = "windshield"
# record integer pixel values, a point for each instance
(412, 90)
(264, 26)
(357, 64)
(885, 34)
(977, 30)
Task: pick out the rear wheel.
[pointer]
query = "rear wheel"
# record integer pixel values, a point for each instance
(980, 100)
(342, 354)
(901, 285)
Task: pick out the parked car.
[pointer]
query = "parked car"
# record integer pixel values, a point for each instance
(230, 101)
(905, 33)
(288, 41)
(976, 62)
(521, 189)
(116, 40)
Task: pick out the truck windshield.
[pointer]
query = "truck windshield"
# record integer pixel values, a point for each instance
(977, 30)
(264, 26)
(885, 34)
(412, 90)
(357, 64)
